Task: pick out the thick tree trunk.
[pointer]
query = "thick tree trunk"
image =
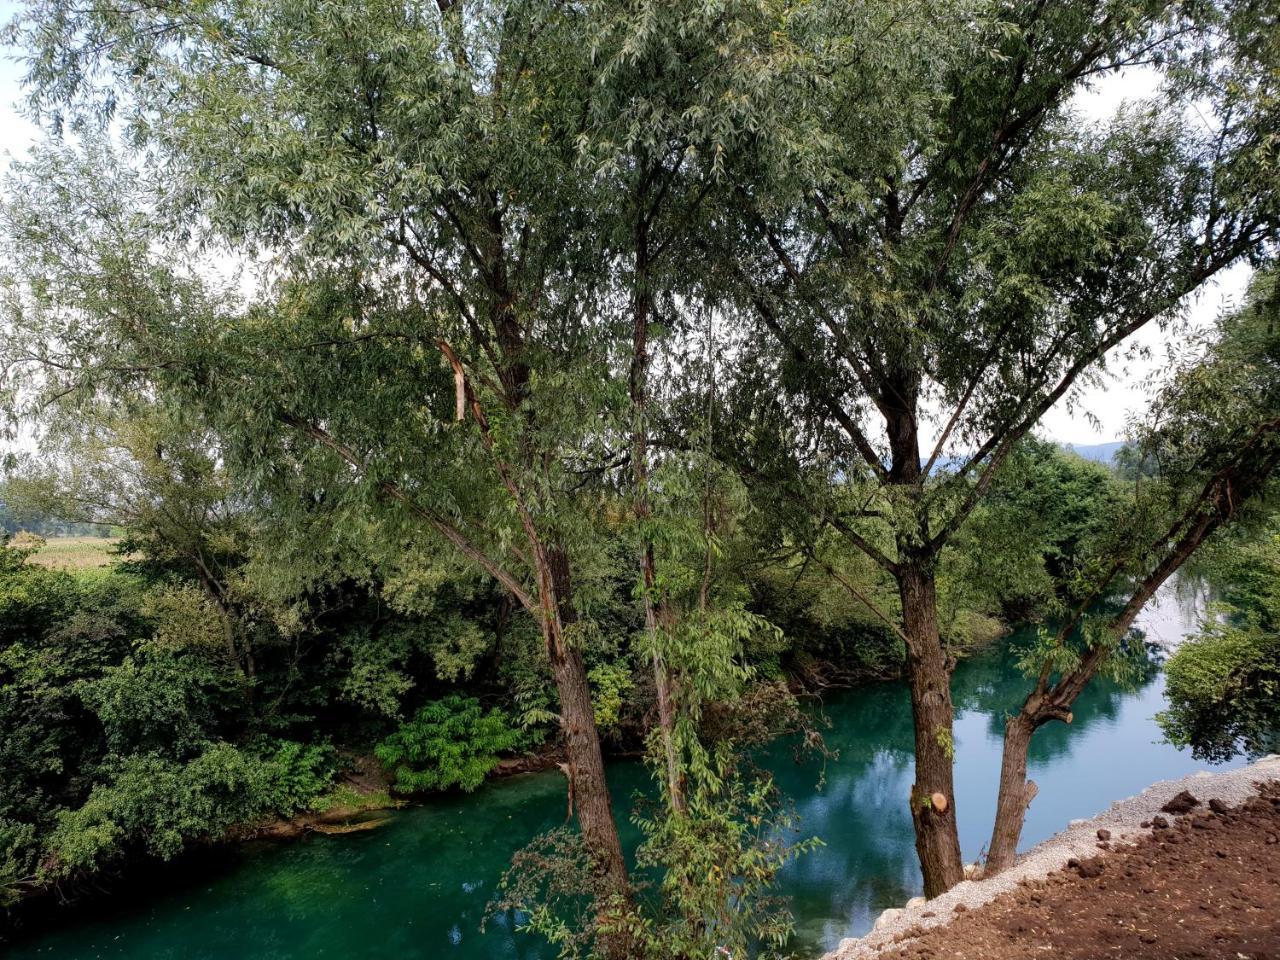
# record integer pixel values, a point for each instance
(1016, 794)
(587, 784)
(933, 808)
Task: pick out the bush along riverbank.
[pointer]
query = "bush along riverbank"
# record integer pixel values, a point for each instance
(145, 714)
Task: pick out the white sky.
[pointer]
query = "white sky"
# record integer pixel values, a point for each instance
(1126, 384)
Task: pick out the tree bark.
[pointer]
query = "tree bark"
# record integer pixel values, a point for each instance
(587, 783)
(1016, 794)
(933, 806)
(929, 677)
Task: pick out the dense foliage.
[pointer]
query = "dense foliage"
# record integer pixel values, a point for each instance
(1224, 683)
(448, 743)
(126, 728)
(599, 368)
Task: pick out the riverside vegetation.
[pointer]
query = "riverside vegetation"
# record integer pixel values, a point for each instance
(618, 370)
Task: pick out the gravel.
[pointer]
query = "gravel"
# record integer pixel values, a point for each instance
(1079, 840)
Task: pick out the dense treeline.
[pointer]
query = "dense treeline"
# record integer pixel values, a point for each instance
(612, 364)
(135, 724)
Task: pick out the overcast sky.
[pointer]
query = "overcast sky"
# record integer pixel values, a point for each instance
(1126, 384)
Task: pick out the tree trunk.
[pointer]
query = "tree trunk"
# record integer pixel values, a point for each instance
(587, 783)
(933, 808)
(657, 612)
(658, 617)
(1016, 794)
(241, 657)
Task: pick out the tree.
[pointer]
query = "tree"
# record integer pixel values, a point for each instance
(154, 471)
(679, 85)
(1214, 436)
(480, 194)
(938, 237)
(1224, 681)
(433, 350)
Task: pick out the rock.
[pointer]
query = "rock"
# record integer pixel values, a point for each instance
(1217, 806)
(1104, 834)
(1104, 845)
(1183, 802)
(1271, 838)
(1089, 869)
(1159, 823)
(886, 918)
(1073, 863)
(961, 908)
(1144, 824)
(915, 902)
(928, 913)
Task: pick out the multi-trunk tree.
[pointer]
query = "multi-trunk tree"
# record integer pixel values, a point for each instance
(476, 211)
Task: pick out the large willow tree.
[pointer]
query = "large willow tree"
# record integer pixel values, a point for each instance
(434, 350)
(474, 210)
(942, 247)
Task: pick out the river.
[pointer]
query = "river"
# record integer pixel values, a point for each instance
(417, 887)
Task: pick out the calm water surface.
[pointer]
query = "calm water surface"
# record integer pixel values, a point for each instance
(417, 887)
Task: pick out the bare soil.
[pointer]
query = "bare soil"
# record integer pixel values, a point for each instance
(1206, 885)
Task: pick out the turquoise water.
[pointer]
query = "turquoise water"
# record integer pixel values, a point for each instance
(417, 887)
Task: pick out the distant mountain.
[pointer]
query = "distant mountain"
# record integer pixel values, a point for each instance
(1100, 452)
(1103, 453)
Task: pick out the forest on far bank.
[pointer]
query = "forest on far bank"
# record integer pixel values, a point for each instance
(464, 382)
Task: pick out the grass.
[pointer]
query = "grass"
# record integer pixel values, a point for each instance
(348, 798)
(74, 554)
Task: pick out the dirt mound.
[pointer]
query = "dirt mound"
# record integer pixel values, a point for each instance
(1205, 886)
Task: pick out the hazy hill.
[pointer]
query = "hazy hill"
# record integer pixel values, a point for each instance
(1101, 452)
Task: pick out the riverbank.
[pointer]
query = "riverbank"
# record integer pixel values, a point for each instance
(418, 886)
(1097, 867)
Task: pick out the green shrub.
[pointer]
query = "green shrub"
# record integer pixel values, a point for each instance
(610, 683)
(449, 743)
(162, 701)
(153, 803)
(17, 858)
(300, 773)
(1224, 693)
